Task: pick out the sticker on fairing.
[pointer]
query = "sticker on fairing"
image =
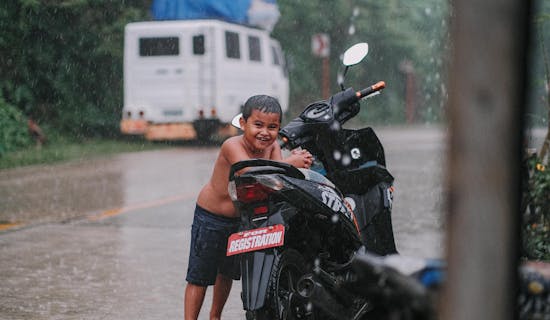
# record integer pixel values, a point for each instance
(333, 200)
(256, 239)
(389, 197)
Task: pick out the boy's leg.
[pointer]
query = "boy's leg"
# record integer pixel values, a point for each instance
(221, 292)
(194, 297)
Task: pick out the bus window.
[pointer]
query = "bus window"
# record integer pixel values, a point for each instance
(166, 46)
(232, 48)
(276, 60)
(198, 45)
(254, 49)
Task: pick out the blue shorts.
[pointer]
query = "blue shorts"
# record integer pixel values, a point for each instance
(207, 258)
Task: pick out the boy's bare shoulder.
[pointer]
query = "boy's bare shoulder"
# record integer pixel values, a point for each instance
(231, 144)
(232, 149)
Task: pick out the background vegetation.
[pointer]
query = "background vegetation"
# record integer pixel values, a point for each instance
(61, 61)
(13, 133)
(398, 31)
(536, 210)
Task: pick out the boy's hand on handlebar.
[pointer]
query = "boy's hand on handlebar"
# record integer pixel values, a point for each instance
(300, 158)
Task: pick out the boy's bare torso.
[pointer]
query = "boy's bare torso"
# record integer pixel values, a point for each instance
(214, 196)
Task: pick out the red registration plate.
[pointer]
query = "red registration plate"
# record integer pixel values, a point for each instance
(256, 239)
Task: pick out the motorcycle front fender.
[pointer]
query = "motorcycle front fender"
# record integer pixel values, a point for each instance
(256, 270)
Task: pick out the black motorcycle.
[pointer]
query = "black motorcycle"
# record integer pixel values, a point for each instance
(301, 229)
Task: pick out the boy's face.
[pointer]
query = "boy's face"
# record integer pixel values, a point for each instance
(260, 129)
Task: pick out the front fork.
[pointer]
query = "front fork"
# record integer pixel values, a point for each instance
(373, 212)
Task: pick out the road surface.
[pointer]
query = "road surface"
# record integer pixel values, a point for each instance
(108, 238)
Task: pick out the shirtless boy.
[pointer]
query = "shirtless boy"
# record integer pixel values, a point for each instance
(215, 216)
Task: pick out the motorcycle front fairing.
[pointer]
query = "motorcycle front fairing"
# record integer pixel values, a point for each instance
(373, 212)
(328, 204)
(356, 162)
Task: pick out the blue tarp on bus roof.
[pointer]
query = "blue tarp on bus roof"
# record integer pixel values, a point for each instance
(259, 13)
(229, 10)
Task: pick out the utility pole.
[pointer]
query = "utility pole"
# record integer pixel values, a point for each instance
(487, 107)
(320, 47)
(406, 67)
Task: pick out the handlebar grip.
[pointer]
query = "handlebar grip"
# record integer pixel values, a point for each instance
(365, 92)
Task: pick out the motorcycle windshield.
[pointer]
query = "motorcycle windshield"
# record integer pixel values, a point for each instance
(316, 177)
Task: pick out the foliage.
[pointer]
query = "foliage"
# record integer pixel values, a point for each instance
(536, 224)
(13, 129)
(538, 112)
(536, 197)
(397, 31)
(63, 149)
(61, 61)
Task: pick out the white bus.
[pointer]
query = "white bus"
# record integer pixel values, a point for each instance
(187, 79)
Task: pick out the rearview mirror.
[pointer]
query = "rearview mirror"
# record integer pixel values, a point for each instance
(355, 54)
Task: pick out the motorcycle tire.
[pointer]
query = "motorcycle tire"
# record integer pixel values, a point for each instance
(281, 300)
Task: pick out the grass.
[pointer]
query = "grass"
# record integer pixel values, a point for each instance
(63, 150)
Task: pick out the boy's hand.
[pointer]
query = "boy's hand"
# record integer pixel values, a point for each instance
(300, 158)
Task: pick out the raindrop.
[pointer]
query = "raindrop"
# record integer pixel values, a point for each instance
(335, 218)
(346, 160)
(351, 30)
(337, 155)
(309, 307)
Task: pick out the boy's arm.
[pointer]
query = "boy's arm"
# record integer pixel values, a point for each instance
(234, 152)
(299, 158)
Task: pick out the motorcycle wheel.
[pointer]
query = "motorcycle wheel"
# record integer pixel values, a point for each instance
(283, 301)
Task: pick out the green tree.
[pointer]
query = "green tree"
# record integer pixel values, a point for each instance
(396, 31)
(61, 61)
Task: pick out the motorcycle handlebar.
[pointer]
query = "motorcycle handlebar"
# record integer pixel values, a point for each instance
(344, 106)
(405, 287)
(372, 89)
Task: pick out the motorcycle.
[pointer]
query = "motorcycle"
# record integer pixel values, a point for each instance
(318, 244)
(301, 230)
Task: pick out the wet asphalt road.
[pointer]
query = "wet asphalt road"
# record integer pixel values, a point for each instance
(108, 238)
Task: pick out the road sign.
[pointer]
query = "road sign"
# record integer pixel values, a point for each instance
(320, 45)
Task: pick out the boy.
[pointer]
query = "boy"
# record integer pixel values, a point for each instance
(215, 216)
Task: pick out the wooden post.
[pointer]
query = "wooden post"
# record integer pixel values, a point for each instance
(486, 104)
(326, 77)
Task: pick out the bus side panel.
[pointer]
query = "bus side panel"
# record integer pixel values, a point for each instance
(172, 87)
(279, 75)
(241, 78)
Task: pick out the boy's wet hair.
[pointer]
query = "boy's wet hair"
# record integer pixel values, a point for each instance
(262, 103)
